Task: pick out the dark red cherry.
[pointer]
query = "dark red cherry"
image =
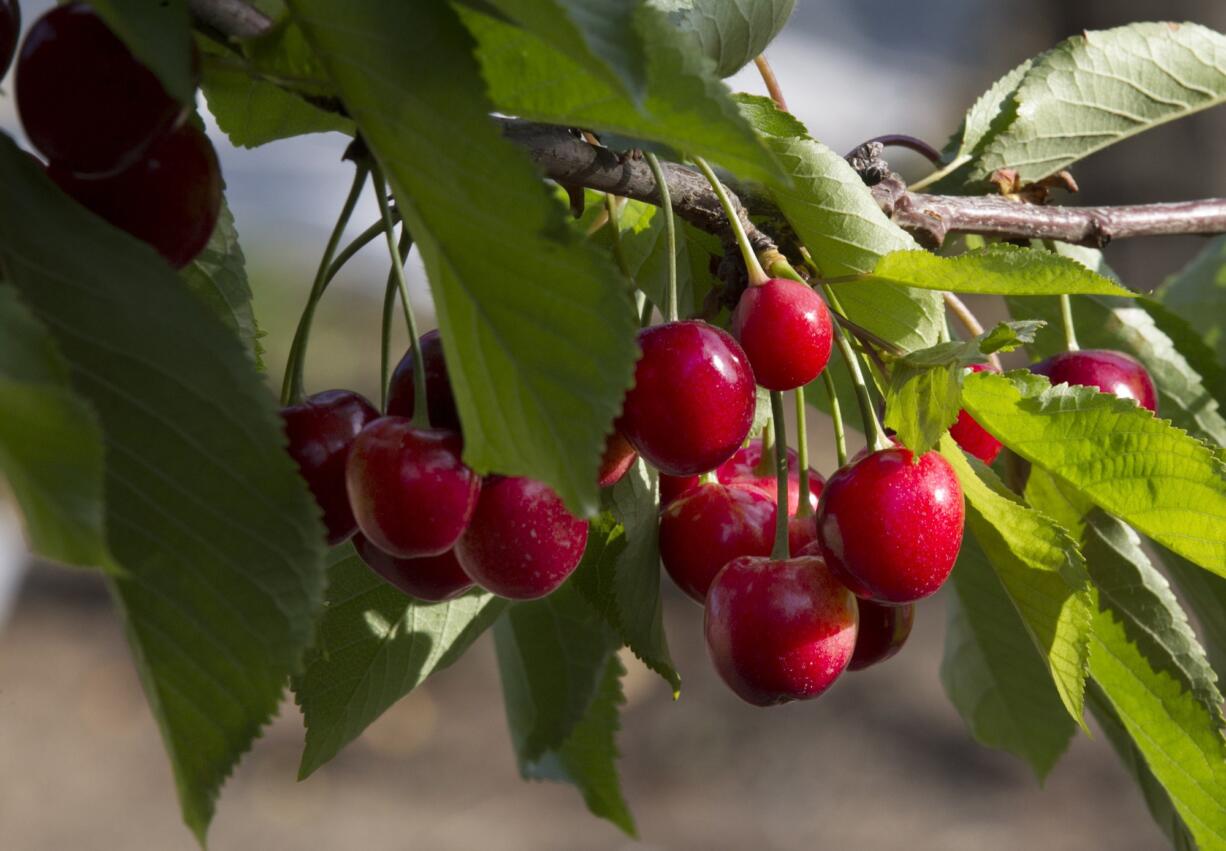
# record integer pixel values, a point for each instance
(779, 630)
(693, 398)
(619, 456)
(970, 435)
(320, 430)
(784, 328)
(431, 578)
(84, 99)
(883, 631)
(169, 199)
(891, 529)
(802, 532)
(745, 467)
(440, 401)
(522, 542)
(706, 528)
(411, 494)
(10, 27)
(1111, 372)
(672, 487)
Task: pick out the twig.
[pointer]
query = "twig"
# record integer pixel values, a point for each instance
(772, 82)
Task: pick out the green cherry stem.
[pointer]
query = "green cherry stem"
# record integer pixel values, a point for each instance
(803, 509)
(708, 478)
(389, 310)
(1066, 316)
(421, 417)
(292, 386)
(781, 550)
(757, 275)
(836, 417)
(615, 234)
(872, 426)
(670, 229)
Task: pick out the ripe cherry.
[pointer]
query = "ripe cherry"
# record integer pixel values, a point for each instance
(320, 430)
(84, 99)
(745, 467)
(707, 527)
(1111, 372)
(883, 631)
(970, 435)
(891, 529)
(440, 401)
(619, 456)
(10, 27)
(431, 578)
(170, 198)
(784, 327)
(693, 398)
(802, 532)
(672, 487)
(779, 630)
(411, 494)
(522, 542)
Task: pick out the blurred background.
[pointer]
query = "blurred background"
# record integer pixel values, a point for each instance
(882, 761)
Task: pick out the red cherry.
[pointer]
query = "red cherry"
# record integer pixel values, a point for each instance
(10, 27)
(802, 532)
(432, 578)
(522, 542)
(744, 468)
(970, 435)
(411, 494)
(693, 398)
(84, 99)
(707, 527)
(619, 456)
(170, 198)
(672, 487)
(779, 630)
(1111, 372)
(784, 327)
(891, 529)
(883, 631)
(440, 401)
(320, 430)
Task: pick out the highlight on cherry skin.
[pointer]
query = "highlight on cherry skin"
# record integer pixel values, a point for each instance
(785, 329)
(411, 494)
(970, 435)
(10, 28)
(883, 631)
(432, 579)
(891, 529)
(440, 399)
(1111, 372)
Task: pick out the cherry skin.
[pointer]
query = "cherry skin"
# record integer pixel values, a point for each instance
(169, 199)
(784, 327)
(883, 631)
(84, 99)
(432, 579)
(522, 542)
(320, 430)
(10, 27)
(891, 529)
(672, 487)
(970, 435)
(411, 494)
(707, 527)
(802, 532)
(745, 467)
(1111, 372)
(693, 398)
(440, 401)
(619, 457)
(779, 630)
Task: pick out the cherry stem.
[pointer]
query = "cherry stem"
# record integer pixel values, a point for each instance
(969, 321)
(780, 551)
(757, 276)
(781, 268)
(803, 509)
(872, 426)
(868, 336)
(615, 234)
(389, 308)
(670, 229)
(911, 143)
(421, 416)
(292, 386)
(836, 416)
(1070, 330)
(708, 478)
(771, 81)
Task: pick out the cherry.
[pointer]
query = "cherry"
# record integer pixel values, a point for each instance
(84, 99)
(320, 430)
(785, 329)
(10, 27)
(889, 528)
(672, 487)
(883, 631)
(411, 494)
(1111, 372)
(707, 527)
(440, 401)
(431, 578)
(619, 456)
(170, 198)
(802, 532)
(522, 542)
(779, 630)
(970, 435)
(693, 398)
(745, 467)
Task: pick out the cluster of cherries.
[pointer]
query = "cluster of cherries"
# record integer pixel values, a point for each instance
(115, 141)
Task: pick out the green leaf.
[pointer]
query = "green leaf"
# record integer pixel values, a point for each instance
(1198, 294)
(991, 113)
(731, 32)
(1040, 568)
(158, 34)
(51, 455)
(538, 328)
(685, 106)
(1205, 595)
(1128, 462)
(992, 673)
(217, 538)
(252, 112)
(620, 573)
(1099, 88)
(373, 646)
